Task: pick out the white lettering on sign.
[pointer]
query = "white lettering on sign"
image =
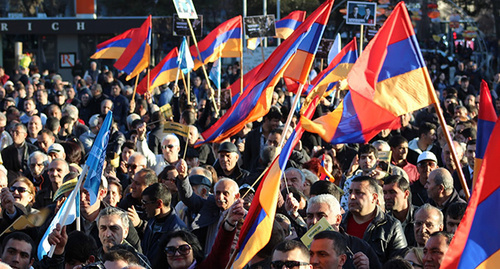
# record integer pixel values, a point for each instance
(80, 26)
(55, 26)
(29, 26)
(4, 27)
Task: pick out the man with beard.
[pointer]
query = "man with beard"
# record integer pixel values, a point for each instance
(428, 220)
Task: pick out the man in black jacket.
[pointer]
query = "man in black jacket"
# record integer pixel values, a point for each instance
(15, 157)
(367, 221)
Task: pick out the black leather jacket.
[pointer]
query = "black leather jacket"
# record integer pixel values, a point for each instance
(384, 234)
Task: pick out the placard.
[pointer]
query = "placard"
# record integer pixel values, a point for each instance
(260, 26)
(181, 27)
(185, 9)
(361, 13)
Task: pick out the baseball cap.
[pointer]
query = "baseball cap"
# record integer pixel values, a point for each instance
(199, 180)
(245, 187)
(427, 156)
(94, 120)
(56, 147)
(9, 83)
(228, 147)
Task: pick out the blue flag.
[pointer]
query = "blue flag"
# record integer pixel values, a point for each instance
(185, 61)
(215, 74)
(96, 158)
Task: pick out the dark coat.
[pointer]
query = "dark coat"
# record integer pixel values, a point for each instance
(12, 164)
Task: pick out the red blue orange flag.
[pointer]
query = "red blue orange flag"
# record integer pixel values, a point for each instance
(114, 47)
(389, 79)
(258, 225)
(236, 86)
(136, 56)
(164, 72)
(485, 123)
(324, 174)
(223, 41)
(296, 52)
(476, 243)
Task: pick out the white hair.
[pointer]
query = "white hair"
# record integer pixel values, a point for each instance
(328, 199)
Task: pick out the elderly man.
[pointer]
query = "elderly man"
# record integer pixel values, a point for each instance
(427, 162)
(15, 156)
(327, 206)
(89, 136)
(397, 204)
(226, 164)
(435, 249)
(135, 163)
(448, 162)
(170, 147)
(58, 169)
(38, 163)
(440, 189)
(18, 250)
(294, 178)
(428, 220)
(367, 221)
(208, 211)
(291, 254)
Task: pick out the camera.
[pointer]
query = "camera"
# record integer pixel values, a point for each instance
(95, 265)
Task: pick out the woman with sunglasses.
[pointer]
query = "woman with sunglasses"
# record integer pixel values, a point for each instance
(23, 192)
(183, 250)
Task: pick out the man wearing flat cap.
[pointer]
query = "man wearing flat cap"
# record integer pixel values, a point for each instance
(226, 164)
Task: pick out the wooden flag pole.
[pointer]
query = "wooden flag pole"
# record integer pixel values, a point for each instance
(148, 78)
(241, 71)
(135, 88)
(361, 39)
(186, 147)
(203, 67)
(186, 86)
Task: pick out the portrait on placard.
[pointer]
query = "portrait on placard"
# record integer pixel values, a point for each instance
(185, 9)
(361, 13)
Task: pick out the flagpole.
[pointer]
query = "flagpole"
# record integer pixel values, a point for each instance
(72, 198)
(148, 78)
(203, 66)
(361, 39)
(135, 87)
(241, 64)
(447, 135)
(186, 147)
(184, 80)
(290, 115)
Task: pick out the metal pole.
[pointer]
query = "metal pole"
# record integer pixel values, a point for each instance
(278, 17)
(243, 35)
(264, 12)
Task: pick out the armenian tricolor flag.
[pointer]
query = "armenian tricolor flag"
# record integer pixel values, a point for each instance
(389, 79)
(114, 47)
(164, 72)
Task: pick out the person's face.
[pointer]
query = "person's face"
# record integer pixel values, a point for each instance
(291, 255)
(400, 152)
(106, 107)
(367, 162)
(137, 185)
(150, 206)
(22, 193)
(368, 12)
(193, 135)
(452, 224)
(323, 256)
(273, 123)
(225, 195)
(317, 211)
(433, 189)
(197, 82)
(57, 171)
(126, 152)
(113, 196)
(170, 148)
(29, 106)
(395, 199)
(426, 223)
(116, 90)
(430, 137)
(35, 125)
(56, 155)
(362, 200)
(328, 163)
(36, 166)
(228, 160)
(273, 139)
(85, 99)
(294, 179)
(71, 93)
(470, 153)
(134, 165)
(355, 10)
(434, 251)
(425, 167)
(60, 99)
(19, 135)
(169, 182)
(112, 231)
(182, 258)
(470, 100)
(119, 264)
(17, 254)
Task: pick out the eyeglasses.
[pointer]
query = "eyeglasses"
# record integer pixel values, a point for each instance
(183, 250)
(171, 146)
(18, 189)
(430, 164)
(287, 264)
(132, 166)
(147, 202)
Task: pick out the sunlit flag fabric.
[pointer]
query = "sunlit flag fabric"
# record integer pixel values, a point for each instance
(96, 159)
(324, 174)
(164, 72)
(284, 28)
(485, 123)
(476, 243)
(114, 47)
(389, 79)
(136, 56)
(335, 49)
(73, 210)
(186, 63)
(296, 52)
(214, 75)
(258, 225)
(224, 41)
(236, 86)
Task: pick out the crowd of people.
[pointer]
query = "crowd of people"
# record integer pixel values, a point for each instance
(165, 203)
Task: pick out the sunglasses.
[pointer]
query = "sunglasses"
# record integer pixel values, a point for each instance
(287, 264)
(171, 146)
(183, 250)
(18, 189)
(132, 166)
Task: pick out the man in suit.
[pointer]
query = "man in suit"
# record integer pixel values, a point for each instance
(15, 157)
(468, 169)
(368, 17)
(355, 13)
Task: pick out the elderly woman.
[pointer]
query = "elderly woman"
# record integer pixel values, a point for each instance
(16, 201)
